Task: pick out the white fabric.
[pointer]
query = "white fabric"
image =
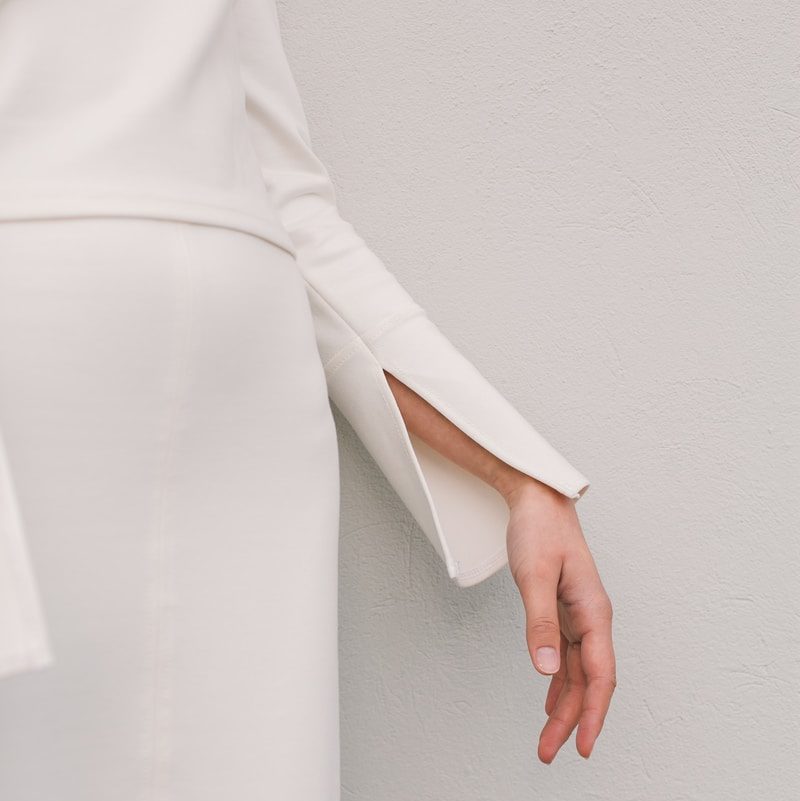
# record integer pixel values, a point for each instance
(187, 110)
(177, 467)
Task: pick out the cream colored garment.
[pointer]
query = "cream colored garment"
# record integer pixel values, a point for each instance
(176, 458)
(187, 110)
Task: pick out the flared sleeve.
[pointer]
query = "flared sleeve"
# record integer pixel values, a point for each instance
(366, 322)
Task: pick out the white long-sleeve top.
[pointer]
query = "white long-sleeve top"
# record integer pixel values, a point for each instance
(135, 107)
(187, 110)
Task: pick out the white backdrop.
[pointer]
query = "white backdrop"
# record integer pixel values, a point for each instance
(599, 204)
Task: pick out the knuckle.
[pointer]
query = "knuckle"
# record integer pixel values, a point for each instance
(528, 579)
(535, 572)
(603, 606)
(543, 625)
(610, 680)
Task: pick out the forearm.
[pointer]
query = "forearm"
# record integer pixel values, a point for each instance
(431, 426)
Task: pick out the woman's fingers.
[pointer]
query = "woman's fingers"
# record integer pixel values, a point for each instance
(567, 711)
(586, 616)
(568, 617)
(599, 667)
(558, 680)
(539, 596)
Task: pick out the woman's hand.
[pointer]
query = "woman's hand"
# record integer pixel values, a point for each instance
(566, 607)
(568, 613)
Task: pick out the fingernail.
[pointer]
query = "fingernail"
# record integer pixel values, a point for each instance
(547, 659)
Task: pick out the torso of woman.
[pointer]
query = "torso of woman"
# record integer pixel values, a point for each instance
(135, 108)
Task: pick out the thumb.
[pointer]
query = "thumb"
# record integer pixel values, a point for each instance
(542, 628)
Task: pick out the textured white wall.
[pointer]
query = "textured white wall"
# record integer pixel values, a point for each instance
(598, 203)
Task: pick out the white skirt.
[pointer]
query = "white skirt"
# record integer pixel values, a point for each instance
(165, 414)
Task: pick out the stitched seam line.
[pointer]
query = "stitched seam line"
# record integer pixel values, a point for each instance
(341, 356)
(500, 556)
(158, 723)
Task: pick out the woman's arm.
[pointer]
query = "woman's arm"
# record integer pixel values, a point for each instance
(367, 324)
(368, 327)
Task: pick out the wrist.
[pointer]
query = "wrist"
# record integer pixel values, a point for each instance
(512, 484)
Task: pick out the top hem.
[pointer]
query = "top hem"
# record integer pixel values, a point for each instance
(17, 210)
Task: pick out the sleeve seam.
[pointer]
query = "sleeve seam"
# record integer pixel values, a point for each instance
(484, 570)
(343, 354)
